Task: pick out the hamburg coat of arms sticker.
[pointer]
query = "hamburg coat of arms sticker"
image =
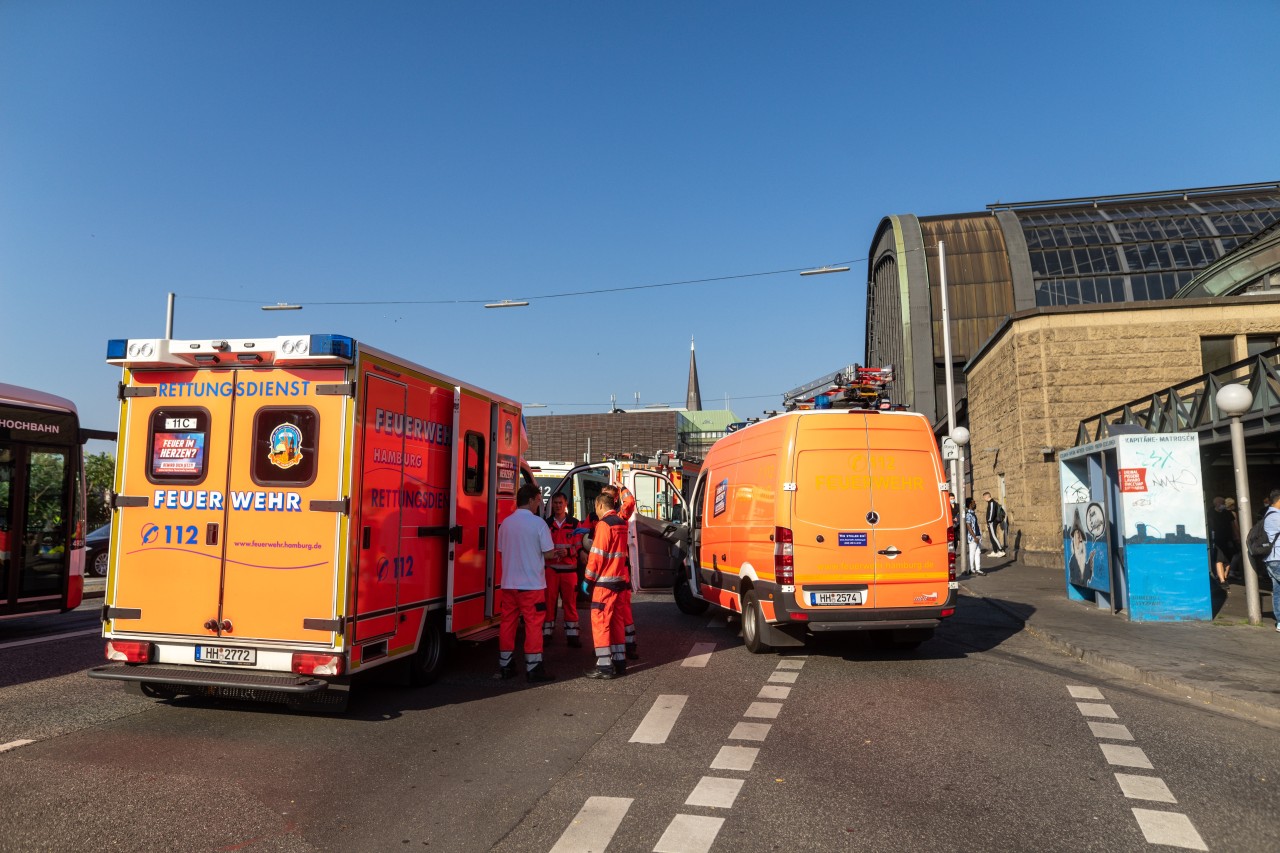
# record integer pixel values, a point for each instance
(286, 446)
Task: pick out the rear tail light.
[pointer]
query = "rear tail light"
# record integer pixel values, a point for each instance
(309, 663)
(129, 651)
(951, 553)
(784, 560)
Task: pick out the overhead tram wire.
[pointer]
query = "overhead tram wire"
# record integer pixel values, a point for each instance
(531, 298)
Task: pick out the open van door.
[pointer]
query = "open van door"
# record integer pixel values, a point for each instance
(658, 534)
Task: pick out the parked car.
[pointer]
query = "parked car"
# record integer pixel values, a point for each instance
(96, 547)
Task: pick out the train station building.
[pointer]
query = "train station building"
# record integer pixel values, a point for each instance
(1071, 316)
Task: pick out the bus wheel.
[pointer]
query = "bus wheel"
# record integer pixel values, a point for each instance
(686, 601)
(156, 691)
(752, 624)
(428, 660)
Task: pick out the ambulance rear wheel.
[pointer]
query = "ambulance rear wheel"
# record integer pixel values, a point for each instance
(428, 660)
(686, 601)
(753, 625)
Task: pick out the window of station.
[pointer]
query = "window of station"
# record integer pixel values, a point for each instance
(1215, 352)
(1258, 344)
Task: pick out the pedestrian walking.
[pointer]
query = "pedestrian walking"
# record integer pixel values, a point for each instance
(995, 520)
(1271, 526)
(562, 571)
(974, 534)
(1222, 529)
(606, 578)
(525, 544)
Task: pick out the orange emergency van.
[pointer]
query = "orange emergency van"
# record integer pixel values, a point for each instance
(821, 521)
(291, 511)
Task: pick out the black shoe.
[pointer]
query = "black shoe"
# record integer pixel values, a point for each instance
(506, 672)
(602, 674)
(632, 653)
(574, 642)
(619, 668)
(539, 674)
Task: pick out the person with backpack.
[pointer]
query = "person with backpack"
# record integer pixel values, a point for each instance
(1263, 543)
(995, 521)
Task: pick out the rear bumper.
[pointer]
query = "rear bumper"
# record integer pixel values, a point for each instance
(786, 609)
(200, 679)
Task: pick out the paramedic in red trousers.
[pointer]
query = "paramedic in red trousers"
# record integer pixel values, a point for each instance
(525, 545)
(626, 509)
(562, 572)
(607, 577)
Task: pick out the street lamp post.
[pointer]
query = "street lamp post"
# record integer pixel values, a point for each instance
(957, 465)
(1233, 401)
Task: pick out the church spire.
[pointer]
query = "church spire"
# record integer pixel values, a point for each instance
(693, 397)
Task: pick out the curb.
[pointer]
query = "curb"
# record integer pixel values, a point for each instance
(1130, 672)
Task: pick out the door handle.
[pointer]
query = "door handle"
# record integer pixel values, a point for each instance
(891, 551)
(211, 625)
(211, 533)
(484, 541)
(226, 626)
(364, 538)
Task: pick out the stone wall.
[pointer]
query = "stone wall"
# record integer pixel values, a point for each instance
(1046, 370)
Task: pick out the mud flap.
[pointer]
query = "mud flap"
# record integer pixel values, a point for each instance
(781, 636)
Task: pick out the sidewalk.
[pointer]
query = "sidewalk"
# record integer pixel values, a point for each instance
(1225, 662)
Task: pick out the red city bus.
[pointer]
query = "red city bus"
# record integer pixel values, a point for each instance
(42, 505)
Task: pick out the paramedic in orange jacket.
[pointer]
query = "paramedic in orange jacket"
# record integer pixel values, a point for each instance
(607, 577)
(626, 509)
(562, 571)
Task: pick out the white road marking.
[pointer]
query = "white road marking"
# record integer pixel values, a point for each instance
(783, 677)
(699, 655)
(764, 710)
(14, 744)
(1090, 709)
(735, 758)
(1145, 788)
(771, 691)
(50, 638)
(656, 725)
(1115, 731)
(790, 663)
(715, 792)
(1171, 828)
(689, 834)
(750, 731)
(593, 827)
(1126, 756)
(1085, 692)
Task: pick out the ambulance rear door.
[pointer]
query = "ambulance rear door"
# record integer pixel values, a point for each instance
(230, 505)
(470, 591)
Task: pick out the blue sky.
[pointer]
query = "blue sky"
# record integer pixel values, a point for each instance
(246, 153)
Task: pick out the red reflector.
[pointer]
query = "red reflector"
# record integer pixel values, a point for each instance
(129, 651)
(950, 611)
(309, 663)
(800, 617)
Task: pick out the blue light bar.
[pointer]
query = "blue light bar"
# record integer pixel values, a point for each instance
(117, 348)
(341, 346)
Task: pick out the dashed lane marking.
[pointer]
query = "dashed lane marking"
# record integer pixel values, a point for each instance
(593, 827)
(750, 731)
(774, 691)
(790, 664)
(1085, 692)
(783, 677)
(764, 710)
(689, 834)
(699, 655)
(50, 638)
(715, 792)
(657, 724)
(1126, 756)
(14, 744)
(1093, 709)
(1171, 828)
(735, 758)
(1150, 788)
(1115, 731)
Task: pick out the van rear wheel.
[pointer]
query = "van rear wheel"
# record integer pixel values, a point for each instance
(753, 624)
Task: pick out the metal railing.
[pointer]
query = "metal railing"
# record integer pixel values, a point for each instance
(1190, 406)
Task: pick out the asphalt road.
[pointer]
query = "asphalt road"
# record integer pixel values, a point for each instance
(979, 740)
